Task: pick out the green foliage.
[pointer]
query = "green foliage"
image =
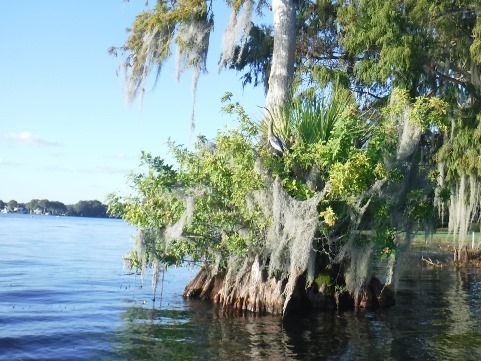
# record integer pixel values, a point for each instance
(219, 175)
(377, 30)
(461, 154)
(445, 194)
(329, 217)
(323, 132)
(420, 207)
(323, 278)
(313, 120)
(352, 177)
(475, 48)
(256, 57)
(248, 128)
(201, 210)
(428, 112)
(326, 279)
(310, 118)
(384, 232)
(157, 203)
(400, 99)
(429, 49)
(424, 46)
(297, 188)
(424, 112)
(187, 23)
(93, 208)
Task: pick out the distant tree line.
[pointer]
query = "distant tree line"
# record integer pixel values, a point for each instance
(93, 208)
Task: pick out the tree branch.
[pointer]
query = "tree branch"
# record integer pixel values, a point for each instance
(430, 67)
(303, 49)
(466, 74)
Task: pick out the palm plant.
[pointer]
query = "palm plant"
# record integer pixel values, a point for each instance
(314, 117)
(309, 118)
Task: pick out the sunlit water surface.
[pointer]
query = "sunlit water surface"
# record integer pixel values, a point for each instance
(64, 295)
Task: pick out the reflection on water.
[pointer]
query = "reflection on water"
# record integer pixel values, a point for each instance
(64, 296)
(437, 317)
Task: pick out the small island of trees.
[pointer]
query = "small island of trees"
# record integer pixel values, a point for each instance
(378, 103)
(91, 208)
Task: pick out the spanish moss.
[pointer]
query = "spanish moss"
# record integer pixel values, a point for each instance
(236, 32)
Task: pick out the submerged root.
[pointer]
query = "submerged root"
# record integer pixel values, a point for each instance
(248, 293)
(267, 295)
(375, 295)
(467, 257)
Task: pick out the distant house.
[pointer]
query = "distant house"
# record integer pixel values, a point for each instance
(6, 210)
(20, 209)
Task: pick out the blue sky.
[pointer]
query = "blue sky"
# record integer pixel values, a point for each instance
(66, 133)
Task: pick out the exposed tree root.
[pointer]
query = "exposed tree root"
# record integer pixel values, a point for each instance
(266, 295)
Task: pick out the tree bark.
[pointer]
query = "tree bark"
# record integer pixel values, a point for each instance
(282, 69)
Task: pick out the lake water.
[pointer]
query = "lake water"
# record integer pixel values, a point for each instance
(64, 295)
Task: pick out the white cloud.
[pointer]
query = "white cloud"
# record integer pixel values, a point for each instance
(28, 138)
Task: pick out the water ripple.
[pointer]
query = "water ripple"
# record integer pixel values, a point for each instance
(65, 296)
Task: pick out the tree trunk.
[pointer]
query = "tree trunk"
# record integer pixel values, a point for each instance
(282, 69)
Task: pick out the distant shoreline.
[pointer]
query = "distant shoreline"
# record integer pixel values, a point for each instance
(53, 216)
(91, 208)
